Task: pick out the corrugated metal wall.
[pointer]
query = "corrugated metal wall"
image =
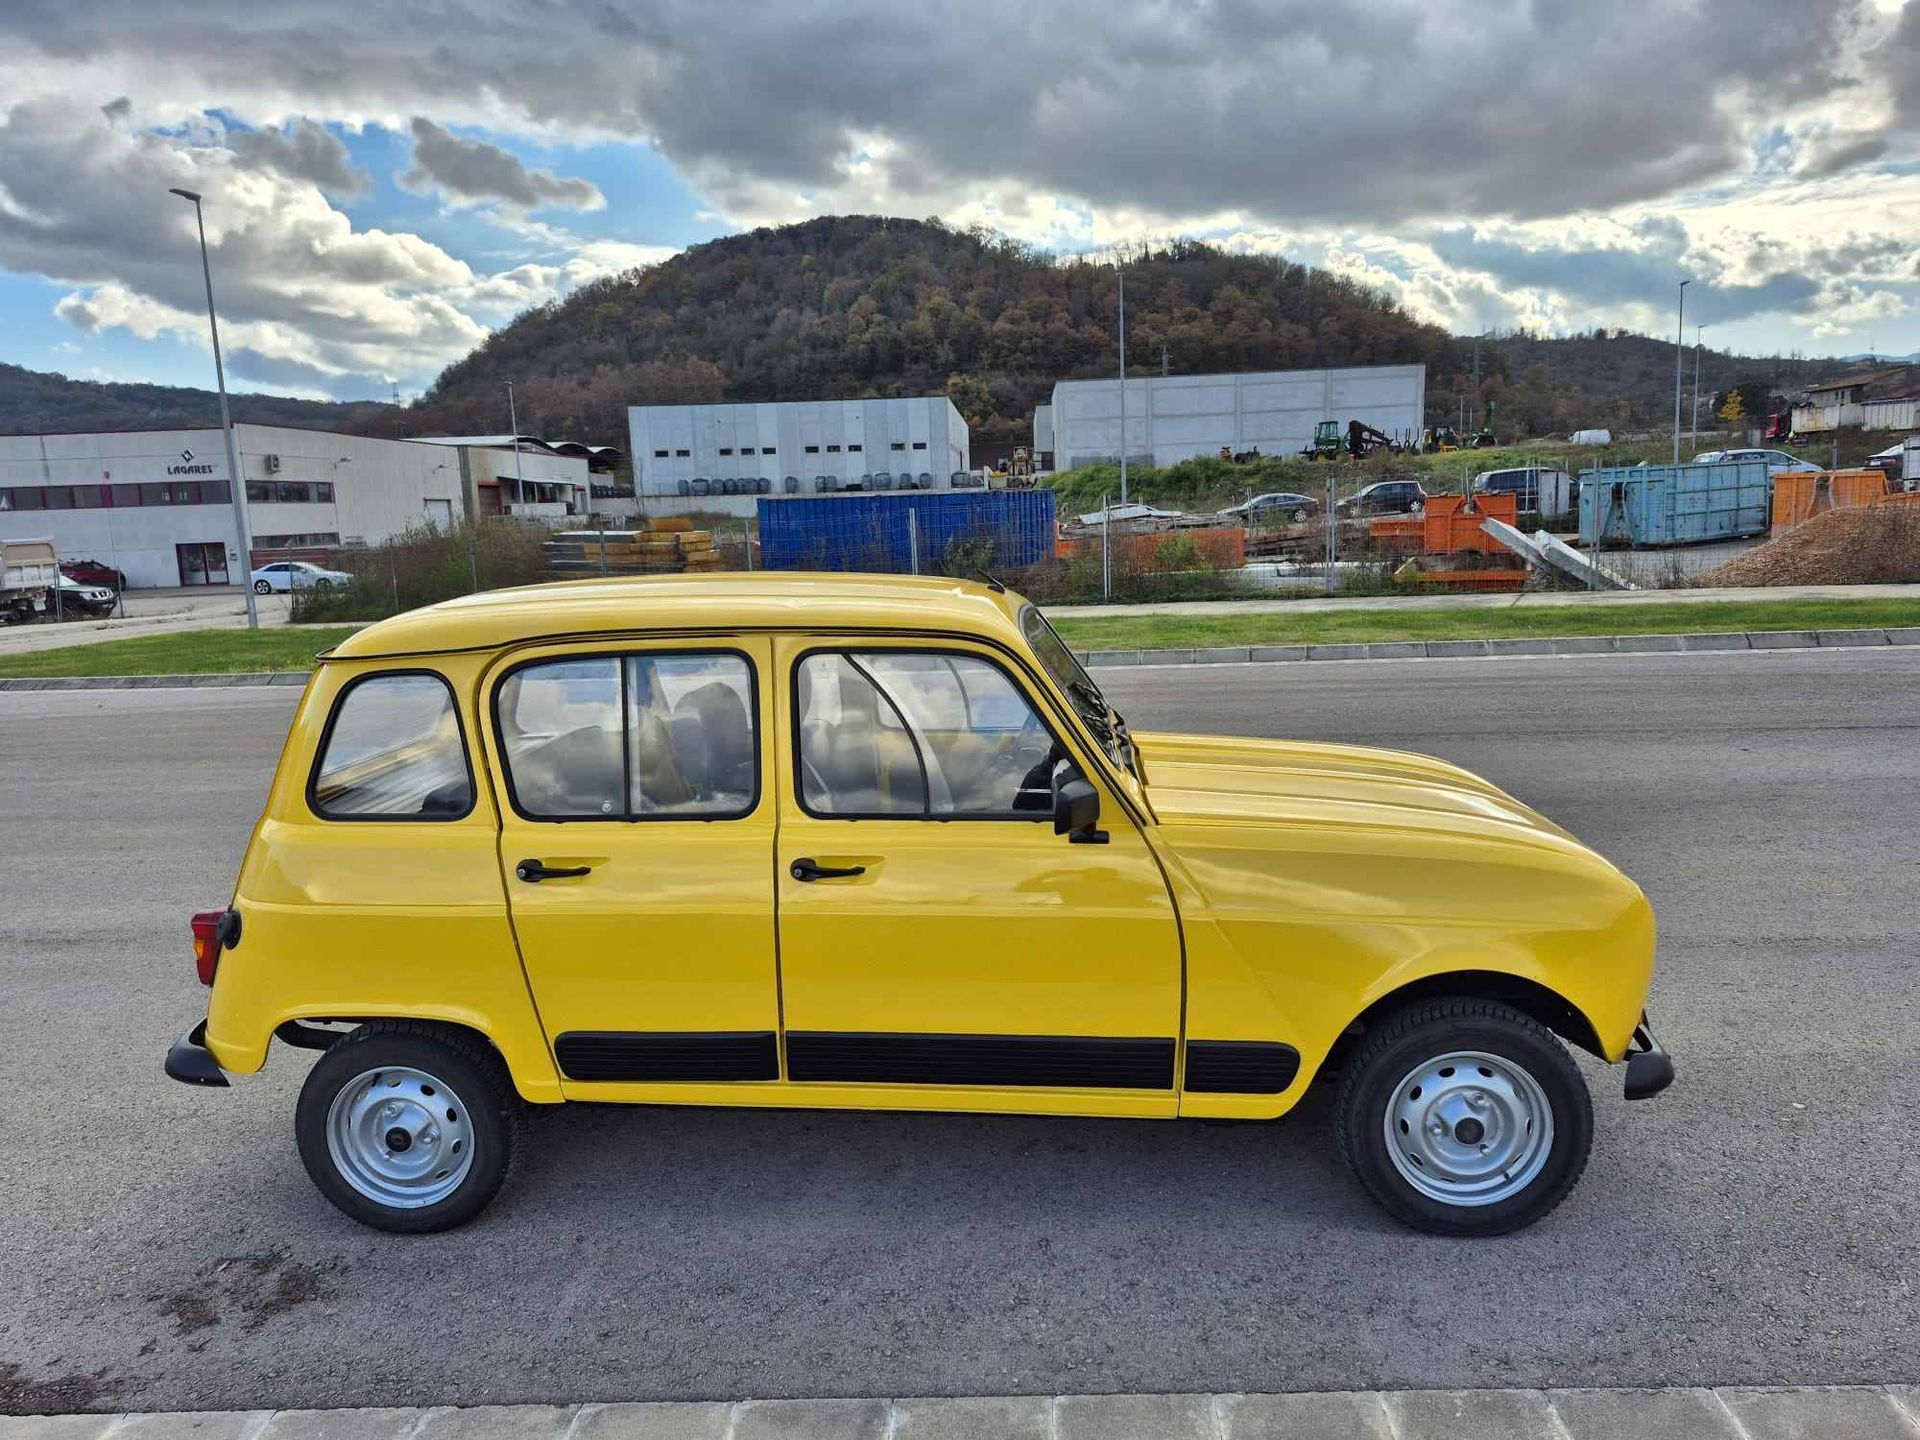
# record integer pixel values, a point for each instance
(900, 533)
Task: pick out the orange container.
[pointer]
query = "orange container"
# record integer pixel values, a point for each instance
(1799, 496)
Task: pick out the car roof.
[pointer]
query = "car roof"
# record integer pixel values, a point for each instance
(725, 601)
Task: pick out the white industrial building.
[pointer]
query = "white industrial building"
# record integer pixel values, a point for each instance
(157, 504)
(720, 457)
(1171, 418)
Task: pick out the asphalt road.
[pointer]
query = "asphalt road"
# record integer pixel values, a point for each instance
(160, 1247)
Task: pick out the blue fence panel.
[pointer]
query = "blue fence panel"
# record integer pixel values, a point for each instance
(872, 532)
(1676, 504)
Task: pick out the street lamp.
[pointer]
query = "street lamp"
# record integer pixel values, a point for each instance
(514, 421)
(236, 482)
(1122, 274)
(1679, 359)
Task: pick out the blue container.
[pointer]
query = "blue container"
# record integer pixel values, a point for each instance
(988, 529)
(1676, 504)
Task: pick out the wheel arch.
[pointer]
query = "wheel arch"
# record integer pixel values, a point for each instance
(1528, 996)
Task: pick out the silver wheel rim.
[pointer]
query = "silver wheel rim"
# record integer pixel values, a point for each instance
(400, 1137)
(1469, 1128)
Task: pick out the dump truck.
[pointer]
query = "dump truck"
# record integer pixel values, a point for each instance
(27, 569)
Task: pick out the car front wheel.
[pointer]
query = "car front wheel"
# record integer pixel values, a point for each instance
(262, 587)
(408, 1127)
(1464, 1117)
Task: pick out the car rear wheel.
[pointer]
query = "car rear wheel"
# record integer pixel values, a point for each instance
(408, 1127)
(1464, 1117)
(263, 587)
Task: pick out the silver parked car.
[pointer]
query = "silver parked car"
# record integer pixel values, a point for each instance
(1778, 461)
(284, 575)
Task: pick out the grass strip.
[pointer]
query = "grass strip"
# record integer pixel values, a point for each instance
(182, 652)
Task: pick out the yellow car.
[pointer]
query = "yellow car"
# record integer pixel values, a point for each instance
(880, 843)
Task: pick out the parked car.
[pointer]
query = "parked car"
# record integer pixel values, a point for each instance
(1275, 508)
(444, 891)
(297, 575)
(1897, 463)
(1541, 489)
(1778, 461)
(94, 572)
(1385, 497)
(78, 599)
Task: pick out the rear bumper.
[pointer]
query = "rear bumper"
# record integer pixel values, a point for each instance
(191, 1063)
(1649, 1067)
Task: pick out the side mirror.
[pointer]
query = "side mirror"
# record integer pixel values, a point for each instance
(1076, 807)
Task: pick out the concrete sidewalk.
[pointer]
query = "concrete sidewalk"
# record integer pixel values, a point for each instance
(1525, 599)
(1728, 1413)
(150, 612)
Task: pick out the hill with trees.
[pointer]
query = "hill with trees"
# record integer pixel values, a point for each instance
(33, 402)
(858, 306)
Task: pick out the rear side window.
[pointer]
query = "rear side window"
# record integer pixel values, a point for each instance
(630, 737)
(919, 734)
(393, 750)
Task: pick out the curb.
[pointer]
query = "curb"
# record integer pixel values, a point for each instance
(1727, 1413)
(155, 682)
(1528, 645)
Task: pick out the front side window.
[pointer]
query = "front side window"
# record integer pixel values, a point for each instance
(919, 733)
(630, 737)
(393, 751)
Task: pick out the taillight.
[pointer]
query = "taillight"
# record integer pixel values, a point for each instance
(206, 944)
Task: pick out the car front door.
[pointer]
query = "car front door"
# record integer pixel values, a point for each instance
(636, 847)
(940, 945)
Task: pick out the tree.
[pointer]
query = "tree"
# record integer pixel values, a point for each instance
(1735, 410)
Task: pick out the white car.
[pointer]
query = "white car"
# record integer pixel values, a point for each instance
(285, 575)
(1778, 461)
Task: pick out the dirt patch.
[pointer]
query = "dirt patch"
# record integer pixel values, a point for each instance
(58, 1395)
(1867, 545)
(252, 1288)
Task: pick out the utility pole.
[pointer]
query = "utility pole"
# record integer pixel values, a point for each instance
(514, 421)
(236, 482)
(1123, 381)
(1679, 361)
(1693, 422)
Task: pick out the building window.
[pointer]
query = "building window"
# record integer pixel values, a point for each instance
(323, 491)
(813, 449)
(833, 449)
(919, 444)
(681, 454)
(27, 497)
(57, 497)
(726, 449)
(311, 540)
(854, 449)
(659, 454)
(899, 444)
(126, 495)
(768, 450)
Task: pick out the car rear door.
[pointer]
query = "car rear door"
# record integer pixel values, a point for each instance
(940, 945)
(636, 847)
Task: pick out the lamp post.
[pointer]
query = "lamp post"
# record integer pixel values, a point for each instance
(1679, 361)
(514, 421)
(236, 482)
(1122, 274)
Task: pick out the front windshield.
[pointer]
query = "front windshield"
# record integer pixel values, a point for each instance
(1100, 718)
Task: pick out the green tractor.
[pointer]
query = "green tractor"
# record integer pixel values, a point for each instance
(1327, 442)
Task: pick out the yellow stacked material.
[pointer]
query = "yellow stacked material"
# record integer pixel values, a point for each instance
(670, 524)
(696, 549)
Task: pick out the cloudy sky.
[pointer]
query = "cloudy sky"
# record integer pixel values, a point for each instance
(385, 183)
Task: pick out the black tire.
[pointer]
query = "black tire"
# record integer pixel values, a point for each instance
(467, 1067)
(323, 584)
(262, 587)
(1395, 1048)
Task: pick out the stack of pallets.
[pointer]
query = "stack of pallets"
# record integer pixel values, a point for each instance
(667, 545)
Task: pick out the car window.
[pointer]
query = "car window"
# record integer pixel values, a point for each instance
(921, 733)
(630, 737)
(393, 751)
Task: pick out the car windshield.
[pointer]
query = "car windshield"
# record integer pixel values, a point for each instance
(1100, 718)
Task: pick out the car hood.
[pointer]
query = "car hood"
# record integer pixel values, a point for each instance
(1215, 780)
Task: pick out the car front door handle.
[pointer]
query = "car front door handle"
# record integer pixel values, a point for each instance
(533, 870)
(804, 869)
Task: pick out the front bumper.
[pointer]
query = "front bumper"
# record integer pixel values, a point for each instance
(1649, 1067)
(191, 1062)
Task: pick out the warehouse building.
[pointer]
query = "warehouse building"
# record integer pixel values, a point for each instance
(719, 457)
(1170, 418)
(157, 504)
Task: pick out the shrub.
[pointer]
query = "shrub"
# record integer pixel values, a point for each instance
(426, 565)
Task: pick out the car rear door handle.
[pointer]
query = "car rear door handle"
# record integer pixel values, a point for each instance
(804, 869)
(533, 870)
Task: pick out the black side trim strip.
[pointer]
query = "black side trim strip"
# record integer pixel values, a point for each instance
(1089, 1061)
(1240, 1067)
(668, 1055)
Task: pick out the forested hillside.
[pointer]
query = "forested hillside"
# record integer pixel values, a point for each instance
(32, 402)
(856, 306)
